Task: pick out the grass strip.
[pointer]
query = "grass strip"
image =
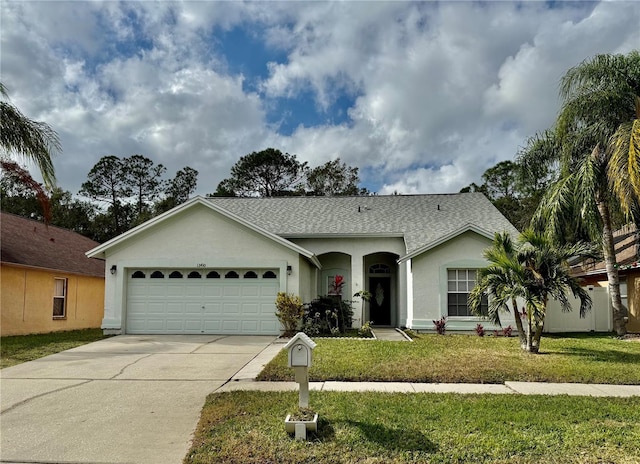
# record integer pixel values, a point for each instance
(248, 427)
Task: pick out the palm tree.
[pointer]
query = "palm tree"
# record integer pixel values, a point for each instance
(597, 137)
(531, 271)
(23, 139)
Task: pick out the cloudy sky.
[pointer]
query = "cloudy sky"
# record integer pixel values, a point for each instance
(423, 97)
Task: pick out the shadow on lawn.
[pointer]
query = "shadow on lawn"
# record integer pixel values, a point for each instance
(395, 439)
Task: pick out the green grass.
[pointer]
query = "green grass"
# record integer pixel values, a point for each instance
(582, 358)
(22, 348)
(248, 427)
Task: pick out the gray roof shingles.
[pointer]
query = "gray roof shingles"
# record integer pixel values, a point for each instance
(420, 219)
(31, 243)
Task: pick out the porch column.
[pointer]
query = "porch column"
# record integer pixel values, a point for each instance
(357, 284)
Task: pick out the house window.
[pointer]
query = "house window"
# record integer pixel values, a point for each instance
(59, 298)
(379, 269)
(460, 282)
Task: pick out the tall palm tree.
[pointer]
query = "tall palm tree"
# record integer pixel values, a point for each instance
(532, 271)
(598, 150)
(22, 139)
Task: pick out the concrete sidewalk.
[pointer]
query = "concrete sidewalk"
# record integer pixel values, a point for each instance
(523, 388)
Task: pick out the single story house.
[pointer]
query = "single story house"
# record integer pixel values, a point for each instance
(594, 274)
(215, 265)
(47, 282)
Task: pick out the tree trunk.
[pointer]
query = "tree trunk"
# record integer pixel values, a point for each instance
(608, 248)
(519, 326)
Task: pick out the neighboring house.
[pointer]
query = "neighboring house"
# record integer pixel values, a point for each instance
(215, 265)
(594, 274)
(47, 282)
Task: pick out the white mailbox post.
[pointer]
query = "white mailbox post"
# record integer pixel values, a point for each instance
(300, 348)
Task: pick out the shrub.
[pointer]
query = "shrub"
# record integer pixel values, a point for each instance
(289, 312)
(327, 315)
(365, 330)
(440, 325)
(505, 332)
(480, 330)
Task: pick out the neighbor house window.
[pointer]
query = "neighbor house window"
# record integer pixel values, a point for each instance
(59, 298)
(460, 282)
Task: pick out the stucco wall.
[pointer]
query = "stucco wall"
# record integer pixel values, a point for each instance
(633, 293)
(27, 301)
(429, 272)
(196, 237)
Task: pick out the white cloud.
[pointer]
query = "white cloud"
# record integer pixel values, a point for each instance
(441, 91)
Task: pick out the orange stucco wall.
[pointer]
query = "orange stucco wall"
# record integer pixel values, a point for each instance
(633, 295)
(26, 301)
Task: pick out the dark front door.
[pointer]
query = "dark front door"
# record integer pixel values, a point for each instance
(380, 304)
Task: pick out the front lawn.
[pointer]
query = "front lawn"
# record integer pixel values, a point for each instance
(581, 358)
(248, 427)
(22, 348)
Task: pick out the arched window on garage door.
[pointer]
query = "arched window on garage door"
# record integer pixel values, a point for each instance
(232, 275)
(175, 275)
(213, 275)
(138, 275)
(250, 275)
(157, 275)
(194, 275)
(269, 275)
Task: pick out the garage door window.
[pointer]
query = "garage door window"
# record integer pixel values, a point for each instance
(250, 275)
(232, 275)
(138, 275)
(194, 275)
(175, 275)
(157, 275)
(213, 275)
(269, 275)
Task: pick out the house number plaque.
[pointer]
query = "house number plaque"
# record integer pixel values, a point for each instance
(201, 265)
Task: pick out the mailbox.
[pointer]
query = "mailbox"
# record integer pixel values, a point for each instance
(300, 348)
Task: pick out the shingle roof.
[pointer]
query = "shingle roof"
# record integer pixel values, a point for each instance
(31, 243)
(420, 219)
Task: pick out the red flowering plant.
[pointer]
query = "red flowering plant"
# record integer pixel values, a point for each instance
(335, 287)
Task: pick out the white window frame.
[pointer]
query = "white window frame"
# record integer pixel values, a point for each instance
(57, 297)
(463, 286)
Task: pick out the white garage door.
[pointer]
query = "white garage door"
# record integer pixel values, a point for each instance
(210, 301)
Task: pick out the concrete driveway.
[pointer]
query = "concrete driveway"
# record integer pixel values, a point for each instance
(126, 399)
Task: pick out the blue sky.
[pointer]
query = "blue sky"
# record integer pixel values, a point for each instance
(423, 97)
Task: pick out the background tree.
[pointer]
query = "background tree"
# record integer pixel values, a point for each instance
(107, 183)
(144, 179)
(178, 190)
(533, 270)
(598, 151)
(334, 178)
(266, 173)
(22, 139)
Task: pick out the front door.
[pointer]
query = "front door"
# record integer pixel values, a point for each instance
(380, 304)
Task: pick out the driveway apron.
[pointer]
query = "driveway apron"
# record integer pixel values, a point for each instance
(126, 399)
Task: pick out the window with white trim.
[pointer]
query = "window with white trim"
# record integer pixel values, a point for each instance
(59, 298)
(460, 282)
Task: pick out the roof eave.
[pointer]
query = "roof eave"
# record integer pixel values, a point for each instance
(445, 238)
(100, 251)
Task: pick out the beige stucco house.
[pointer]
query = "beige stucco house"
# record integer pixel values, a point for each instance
(47, 283)
(215, 265)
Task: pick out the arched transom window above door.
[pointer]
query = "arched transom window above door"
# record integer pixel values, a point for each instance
(379, 269)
